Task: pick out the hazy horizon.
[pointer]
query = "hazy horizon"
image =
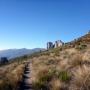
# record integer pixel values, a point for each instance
(32, 23)
(19, 48)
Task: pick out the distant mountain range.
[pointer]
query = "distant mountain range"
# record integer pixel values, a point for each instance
(12, 53)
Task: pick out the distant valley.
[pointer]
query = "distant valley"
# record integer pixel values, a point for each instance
(12, 53)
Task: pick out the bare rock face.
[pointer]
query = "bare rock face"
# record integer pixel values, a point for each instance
(49, 45)
(58, 43)
(81, 40)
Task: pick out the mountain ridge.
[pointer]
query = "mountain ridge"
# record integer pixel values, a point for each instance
(13, 53)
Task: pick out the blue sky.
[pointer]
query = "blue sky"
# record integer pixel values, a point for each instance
(32, 23)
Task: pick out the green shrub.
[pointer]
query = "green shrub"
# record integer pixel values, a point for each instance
(44, 77)
(63, 76)
(42, 83)
(81, 47)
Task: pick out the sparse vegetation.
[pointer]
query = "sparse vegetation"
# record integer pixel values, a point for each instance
(64, 76)
(81, 47)
(11, 75)
(81, 78)
(64, 68)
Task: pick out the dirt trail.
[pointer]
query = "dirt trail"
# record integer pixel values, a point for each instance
(27, 82)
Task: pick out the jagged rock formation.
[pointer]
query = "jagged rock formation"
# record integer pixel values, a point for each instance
(49, 45)
(81, 40)
(57, 43)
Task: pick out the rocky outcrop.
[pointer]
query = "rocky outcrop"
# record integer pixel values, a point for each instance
(57, 43)
(49, 45)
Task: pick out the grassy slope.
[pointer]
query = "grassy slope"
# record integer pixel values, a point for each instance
(11, 75)
(62, 69)
(56, 69)
(65, 68)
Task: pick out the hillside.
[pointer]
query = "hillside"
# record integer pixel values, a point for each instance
(62, 68)
(85, 39)
(11, 75)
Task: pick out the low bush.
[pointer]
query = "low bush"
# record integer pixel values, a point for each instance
(44, 77)
(81, 78)
(81, 47)
(12, 77)
(76, 60)
(64, 76)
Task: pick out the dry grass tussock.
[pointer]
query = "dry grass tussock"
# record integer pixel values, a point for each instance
(56, 84)
(11, 76)
(69, 70)
(81, 78)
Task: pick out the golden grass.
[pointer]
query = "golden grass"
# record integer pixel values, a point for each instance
(81, 78)
(75, 60)
(67, 70)
(56, 84)
(11, 76)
